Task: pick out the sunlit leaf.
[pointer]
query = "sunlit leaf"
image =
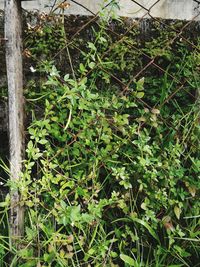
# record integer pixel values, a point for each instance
(127, 259)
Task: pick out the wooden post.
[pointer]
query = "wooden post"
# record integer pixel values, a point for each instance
(13, 32)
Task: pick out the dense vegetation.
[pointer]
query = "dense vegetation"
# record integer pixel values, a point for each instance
(111, 175)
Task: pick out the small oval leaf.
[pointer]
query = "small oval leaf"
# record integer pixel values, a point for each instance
(127, 259)
(140, 94)
(177, 212)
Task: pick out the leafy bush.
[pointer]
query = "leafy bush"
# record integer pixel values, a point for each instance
(111, 175)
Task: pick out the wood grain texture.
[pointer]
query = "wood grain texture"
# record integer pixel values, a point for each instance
(13, 31)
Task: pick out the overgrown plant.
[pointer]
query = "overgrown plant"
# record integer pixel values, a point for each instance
(111, 175)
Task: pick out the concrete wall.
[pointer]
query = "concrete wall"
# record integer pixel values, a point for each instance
(169, 9)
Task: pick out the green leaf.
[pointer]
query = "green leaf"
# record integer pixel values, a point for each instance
(49, 257)
(63, 204)
(144, 206)
(54, 72)
(29, 263)
(66, 77)
(3, 204)
(102, 40)
(42, 141)
(30, 233)
(31, 131)
(30, 145)
(140, 84)
(140, 94)
(87, 218)
(25, 253)
(91, 46)
(147, 226)
(91, 65)
(82, 68)
(91, 251)
(75, 213)
(6, 203)
(127, 259)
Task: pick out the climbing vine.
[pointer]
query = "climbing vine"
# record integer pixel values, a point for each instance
(111, 175)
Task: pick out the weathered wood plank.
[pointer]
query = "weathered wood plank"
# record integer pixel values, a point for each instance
(13, 31)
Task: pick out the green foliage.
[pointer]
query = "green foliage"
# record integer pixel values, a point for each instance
(111, 175)
(45, 37)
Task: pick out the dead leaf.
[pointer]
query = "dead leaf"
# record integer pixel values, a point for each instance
(155, 111)
(177, 212)
(64, 5)
(192, 190)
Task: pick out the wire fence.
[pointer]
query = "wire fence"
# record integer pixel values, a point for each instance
(144, 30)
(152, 65)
